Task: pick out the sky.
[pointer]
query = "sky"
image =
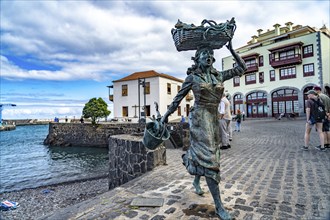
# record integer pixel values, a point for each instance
(57, 55)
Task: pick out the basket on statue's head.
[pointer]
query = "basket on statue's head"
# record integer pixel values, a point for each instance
(208, 34)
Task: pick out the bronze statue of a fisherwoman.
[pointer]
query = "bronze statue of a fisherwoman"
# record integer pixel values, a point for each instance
(203, 156)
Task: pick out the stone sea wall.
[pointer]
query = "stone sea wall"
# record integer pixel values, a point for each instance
(7, 127)
(129, 158)
(77, 134)
(20, 122)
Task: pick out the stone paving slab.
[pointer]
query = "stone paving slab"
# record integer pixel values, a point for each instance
(265, 175)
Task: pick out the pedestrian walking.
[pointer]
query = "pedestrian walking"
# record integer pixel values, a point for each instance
(312, 105)
(238, 119)
(326, 131)
(182, 119)
(225, 120)
(325, 99)
(326, 123)
(230, 129)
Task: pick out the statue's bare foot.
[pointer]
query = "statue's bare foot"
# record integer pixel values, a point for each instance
(198, 188)
(223, 214)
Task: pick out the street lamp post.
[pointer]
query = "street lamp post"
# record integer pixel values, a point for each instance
(110, 95)
(142, 82)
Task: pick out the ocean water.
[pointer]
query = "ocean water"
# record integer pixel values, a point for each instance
(26, 163)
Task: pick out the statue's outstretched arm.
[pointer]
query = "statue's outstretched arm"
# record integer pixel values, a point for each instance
(186, 87)
(238, 70)
(240, 62)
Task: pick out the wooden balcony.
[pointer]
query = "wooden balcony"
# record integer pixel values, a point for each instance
(252, 68)
(286, 61)
(111, 98)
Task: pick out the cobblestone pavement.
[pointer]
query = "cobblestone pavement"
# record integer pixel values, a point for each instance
(265, 175)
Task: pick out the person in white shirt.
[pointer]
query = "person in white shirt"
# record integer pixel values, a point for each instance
(225, 120)
(230, 129)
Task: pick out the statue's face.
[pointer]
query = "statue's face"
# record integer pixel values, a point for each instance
(206, 57)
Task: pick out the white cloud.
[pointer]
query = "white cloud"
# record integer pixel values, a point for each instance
(106, 40)
(73, 72)
(44, 112)
(28, 111)
(89, 40)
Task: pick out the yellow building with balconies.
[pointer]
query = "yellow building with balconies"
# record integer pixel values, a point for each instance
(282, 64)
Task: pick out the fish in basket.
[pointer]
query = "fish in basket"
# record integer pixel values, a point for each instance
(208, 34)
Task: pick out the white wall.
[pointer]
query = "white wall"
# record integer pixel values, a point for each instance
(325, 44)
(166, 99)
(158, 93)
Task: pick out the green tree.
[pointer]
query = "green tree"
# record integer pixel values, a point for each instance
(96, 108)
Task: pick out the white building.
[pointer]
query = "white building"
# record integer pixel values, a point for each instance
(129, 99)
(283, 64)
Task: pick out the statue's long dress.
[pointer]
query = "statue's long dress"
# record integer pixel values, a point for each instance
(203, 155)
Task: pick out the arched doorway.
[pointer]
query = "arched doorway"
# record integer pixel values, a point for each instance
(238, 103)
(285, 101)
(257, 105)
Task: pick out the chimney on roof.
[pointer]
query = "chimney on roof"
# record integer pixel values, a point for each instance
(325, 30)
(277, 29)
(254, 39)
(259, 31)
(289, 25)
(297, 27)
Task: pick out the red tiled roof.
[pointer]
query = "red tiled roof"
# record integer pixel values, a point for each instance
(147, 74)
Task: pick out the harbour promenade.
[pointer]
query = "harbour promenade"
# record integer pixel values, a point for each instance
(265, 175)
